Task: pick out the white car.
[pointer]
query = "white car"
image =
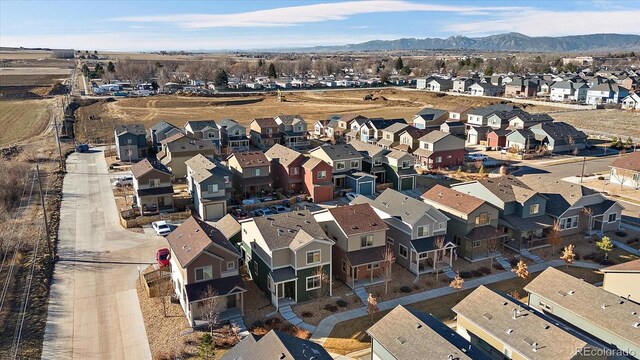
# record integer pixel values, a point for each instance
(351, 195)
(477, 156)
(123, 181)
(161, 228)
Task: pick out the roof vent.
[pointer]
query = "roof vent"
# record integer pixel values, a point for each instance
(488, 316)
(604, 306)
(418, 325)
(354, 227)
(282, 356)
(636, 325)
(571, 292)
(401, 340)
(307, 222)
(633, 313)
(534, 346)
(509, 331)
(545, 326)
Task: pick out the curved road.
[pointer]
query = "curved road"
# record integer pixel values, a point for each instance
(93, 307)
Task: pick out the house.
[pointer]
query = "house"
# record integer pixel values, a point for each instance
(417, 231)
(264, 133)
(603, 315)
(406, 334)
(521, 88)
(317, 180)
(289, 256)
(391, 135)
(503, 327)
(371, 131)
(359, 236)
(523, 140)
(500, 119)
(625, 170)
(233, 135)
(410, 138)
(524, 120)
(559, 136)
(204, 267)
(606, 93)
(564, 91)
(179, 148)
(161, 131)
(462, 84)
(131, 142)
(210, 186)
(439, 150)
(320, 128)
(623, 280)
(439, 84)
(631, 102)
(344, 123)
(373, 157)
(400, 170)
(231, 229)
(152, 187)
(203, 130)
(522, 210)
(477, 135)
(276, 345)
(251, 173)
(293, 130)
(429, 116)
(497, 138)
(346, 162)
(286, 168)
(479, 116)
(485, 89)
(460, 113)
(473, 222)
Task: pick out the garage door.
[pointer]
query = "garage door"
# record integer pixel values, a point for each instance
(214, 211)
(473, 139)
(366, 188)
(406, 183)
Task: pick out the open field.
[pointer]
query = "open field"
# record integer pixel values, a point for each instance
(31, 80)
(25, 54)
(604, 122)
(312, 105)
(350, 336)
(22, 120)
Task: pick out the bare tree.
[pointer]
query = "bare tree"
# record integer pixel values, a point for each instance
(207, 71)
(325, 282)
(587, 212)
(439, 244)
(457, 283)
(492, 247)
(553, 237)
(372, 306)
(568, 255)
(303, 65)
(388, 258)
(521, 270)
(211, 307)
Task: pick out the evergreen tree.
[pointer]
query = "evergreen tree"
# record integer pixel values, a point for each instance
(399, 64)
(206, 348)
(260, 63)
(111, 67)
(85, 70)
(271, 72)
(221, 78)
(488, 71)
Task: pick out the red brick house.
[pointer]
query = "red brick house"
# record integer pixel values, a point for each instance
(497, 138)
(286, 168)
(318, 182)
(440, 150)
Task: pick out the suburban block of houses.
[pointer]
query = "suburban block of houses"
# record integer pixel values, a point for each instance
(178, 148)
(203, 130)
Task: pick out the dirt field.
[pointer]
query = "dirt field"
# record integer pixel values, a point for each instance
(618, 123)
(21, 120)
(312, 106)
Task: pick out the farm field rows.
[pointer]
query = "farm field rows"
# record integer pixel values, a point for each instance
(22, 120)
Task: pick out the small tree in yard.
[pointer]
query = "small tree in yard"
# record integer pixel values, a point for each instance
(325, 282)
(388, 258)
(457, 283)
(554, 237)
(211, 307)
(492, 247)
(206, 348)
(521, 270)
(372, 306)
(439, 244)
(568, 255)
(606, 245)
(587, 224)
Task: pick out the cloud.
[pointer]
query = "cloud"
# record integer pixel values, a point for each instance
(552, 23)
(296, 15)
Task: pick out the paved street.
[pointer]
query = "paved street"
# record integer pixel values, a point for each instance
(93, 309)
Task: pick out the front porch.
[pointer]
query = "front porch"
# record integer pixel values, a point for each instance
(364, 267)
(527, 233)
(476, 244)
(428, 261)
(239, 145)
(296, 141)
(283, 284)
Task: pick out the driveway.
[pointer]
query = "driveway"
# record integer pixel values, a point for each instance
(93, 307)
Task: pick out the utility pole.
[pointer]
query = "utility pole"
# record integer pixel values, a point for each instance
(55, 121)
(584, 161)
(44, 213)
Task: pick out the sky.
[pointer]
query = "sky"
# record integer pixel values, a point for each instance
(141, 25)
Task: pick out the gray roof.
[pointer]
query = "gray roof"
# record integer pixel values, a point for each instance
(280, 230)
(276, 345)
(311, 162)
(430, 113)
(227, 123)
(339, 152)
(560, 130)
(488, 110)
(283, 274)
(562, 85)
(532, 118)
(381, 124)
(366, 148)
(408, 334)
(201, 167)
(398, 205)
(508, 188)
(163, 126)
(228, 226)
(434, 136)
(493, 313)
(289, 119)
(284, 154)
(396, 128)
(197, 125)
(185, 143)
(135, 129)
(530, 223)
(586, 301)
(560, 194)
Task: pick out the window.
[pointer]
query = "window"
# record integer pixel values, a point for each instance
(476, 243)
(534, 208)
(299, 128)
(483, 219)
(154, 183)
(129, 142)
(313, 282)
(212, 188)
(231, 265)
(322, 174)
(438, 159)
(377, 161)
(544, 305)
(574, 222)
(237, 133)
(269, 130)
(423, 230)
(442, 225)
(404, 252)
(313, 257)
(294, 170)
(204, 273)
(388, 136)
(390, 241)
(255, 268)
(256, 172)
(405, 140)
(212, 135)
(340, 165)
(355, 163)
(406, 164)
(366, 241)
(612, 217)
(344, 266)
(373, 266)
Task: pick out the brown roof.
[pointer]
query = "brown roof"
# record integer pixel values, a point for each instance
(629, 161)
(452, 199)
(312, 162)
(251, 158)
(357, 219)
(192, 237)
(630, 266)
(266, 122)
(416, 133)
(172, 138)
(145, 166)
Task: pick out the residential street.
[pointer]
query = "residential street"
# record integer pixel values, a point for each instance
(93, 308)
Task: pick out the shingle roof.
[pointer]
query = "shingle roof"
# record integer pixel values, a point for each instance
(284, 154)
(493, 313)
(276, 345)
(193, 236)
(453, 199)
(461, 109)
(398, 205)
(366, 256)
(396, 128)
(197, 125)
(289, 119)
(228, 226)
(182, 143)
(560, 194)
(560, 130)
(163, 126)
(508, 188)
(357, 219)
(629, 266)
(630, 161)
(381, 124)
(430, 113)
(145, 166)
(338, 152)
(586, 301)
(414, 132)
(201, 167)
(135, 129)
(222, 286)
(408, 334)
(251, 158)
(164, 190)
(311, 162)
(434, 136)
(227, 123)
(266, 122)
(366, 148)
(488, 110)
(280, 230)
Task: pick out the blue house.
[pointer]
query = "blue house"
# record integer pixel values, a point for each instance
(361, 182)
(131, 142)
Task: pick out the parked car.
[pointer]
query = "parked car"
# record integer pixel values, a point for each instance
(279, 209)
(351, 195)
(82, 148)
(161, 227)
(163, 256)
(239, 213)
(477, 156)
(264, 212)
(123, 181)
(504, 151)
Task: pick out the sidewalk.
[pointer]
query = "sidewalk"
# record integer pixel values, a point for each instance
(323, 330)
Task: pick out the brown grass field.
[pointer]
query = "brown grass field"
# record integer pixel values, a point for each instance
(312, 106)
(620, 123)
(22, 120)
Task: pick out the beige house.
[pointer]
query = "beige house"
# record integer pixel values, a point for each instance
(623, 280)
(152, 187)
(177, 149)
(251, 172)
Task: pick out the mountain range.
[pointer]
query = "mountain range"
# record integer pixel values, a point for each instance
(501, 42)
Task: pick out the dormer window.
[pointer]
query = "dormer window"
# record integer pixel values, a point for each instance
(534, 209)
